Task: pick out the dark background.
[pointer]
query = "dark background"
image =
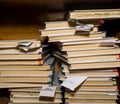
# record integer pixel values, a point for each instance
(21, 19)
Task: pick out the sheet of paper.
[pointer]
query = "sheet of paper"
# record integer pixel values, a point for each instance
(48, 91)
(73, 82)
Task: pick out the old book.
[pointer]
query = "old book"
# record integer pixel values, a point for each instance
(108, 39)
(92, 96)
(18, 51)
(58, 32)
(107, 93)
(21, 62)
(95, 14)
(92, 101)
(25, 73)
(94, 74)
(85, 47)
(57, 25)
(32, 89)
(99, 83)
(21, 85)
(29, 93)
(34, 100)
(77, 37)
(89, 59)
(93, 52)
(95, 65)
(41, 80)
(25, 68)
(16, 43)
(97, 88)
(20, 56)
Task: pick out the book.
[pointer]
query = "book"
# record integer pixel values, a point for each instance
(107, 39)
(18, 51)
(95, 14)
(21, 85)
(26, 73)
(92, 96)
(111, 64)
(92, 101)
(58, 32)
(20, 57)
(77, 37)
(25, 68)
(93, 52)
(4, 44)
(58, 25)
(85, 47)
(22, 62)
(89, 59)
(31, 80)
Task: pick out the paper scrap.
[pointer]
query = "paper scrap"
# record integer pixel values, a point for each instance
(73, 82)
(25, 43)
(48, 91)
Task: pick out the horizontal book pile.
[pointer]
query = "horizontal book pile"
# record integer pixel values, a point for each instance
(23, 73)
(81, 50)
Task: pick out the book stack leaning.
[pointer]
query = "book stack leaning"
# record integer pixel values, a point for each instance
(83, 51)
(22, 71)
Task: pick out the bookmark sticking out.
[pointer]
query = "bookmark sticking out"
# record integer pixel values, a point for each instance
(48, 91)
(73, 82)
(25, 43)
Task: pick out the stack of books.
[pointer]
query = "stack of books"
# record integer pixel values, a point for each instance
(21, 68)
(97, 60)
(84, 51)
